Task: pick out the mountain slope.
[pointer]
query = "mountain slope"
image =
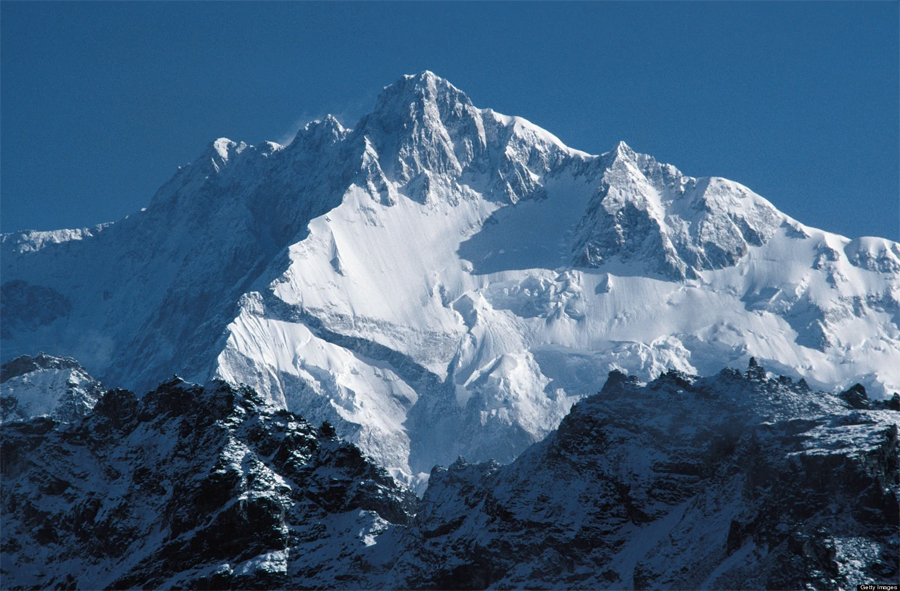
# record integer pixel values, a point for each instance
(745, 481)
(46, 385)
(191, 488)
(443, 280)
(728, 482)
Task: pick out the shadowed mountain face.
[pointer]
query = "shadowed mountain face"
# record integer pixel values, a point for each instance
(444, 280)
(737, 480)
(191, 487)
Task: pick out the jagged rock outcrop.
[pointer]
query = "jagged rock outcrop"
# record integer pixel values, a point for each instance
(191, 488)
(737, 481)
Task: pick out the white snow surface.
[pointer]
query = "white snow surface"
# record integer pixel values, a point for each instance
(66, 394)
(443, 280)
(40, 392)
(34, 240)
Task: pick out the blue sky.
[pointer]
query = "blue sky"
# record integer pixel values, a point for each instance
(101, 102)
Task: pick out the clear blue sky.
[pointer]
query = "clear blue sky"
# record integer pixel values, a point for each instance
(101, 102)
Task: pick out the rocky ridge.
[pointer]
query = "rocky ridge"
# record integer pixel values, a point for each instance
(738, 480)
(193, 488)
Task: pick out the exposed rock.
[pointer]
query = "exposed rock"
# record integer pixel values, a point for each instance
(856, 397)
(733, 481)
(192, 488)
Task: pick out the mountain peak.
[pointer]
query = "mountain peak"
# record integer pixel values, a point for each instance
(223, 148)
(624, 151)
(45, 385)
(436, 282)
(423, 77)
(421, 123)
(424, 86)
(26, 364)
(328, 129)
(679, 225)
(413, 96)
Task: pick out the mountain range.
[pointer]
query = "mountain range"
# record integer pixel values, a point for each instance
(442, 280)
(741, 480)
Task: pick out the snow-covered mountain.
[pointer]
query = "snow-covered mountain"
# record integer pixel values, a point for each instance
(734, 481)
(46, 385)
(443, 280)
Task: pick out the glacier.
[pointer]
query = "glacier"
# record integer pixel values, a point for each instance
(442, 280)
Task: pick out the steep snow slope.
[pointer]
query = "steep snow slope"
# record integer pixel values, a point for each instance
(445, 280)
(46, 385)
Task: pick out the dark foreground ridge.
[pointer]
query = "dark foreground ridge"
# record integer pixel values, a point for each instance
(736, 481)
(188, 487)
(739, 480)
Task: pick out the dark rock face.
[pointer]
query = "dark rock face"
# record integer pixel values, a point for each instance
(856, 397)
(734, 481)
(193, 488)
(894, 402)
